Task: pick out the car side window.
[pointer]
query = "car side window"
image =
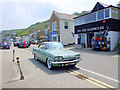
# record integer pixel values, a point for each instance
(46, 46)
(42, 46)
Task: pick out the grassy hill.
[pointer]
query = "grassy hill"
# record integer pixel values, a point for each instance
(38, 26)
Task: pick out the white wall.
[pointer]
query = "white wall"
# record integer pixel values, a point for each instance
(76, 38)
(113, 39)
(66, 36)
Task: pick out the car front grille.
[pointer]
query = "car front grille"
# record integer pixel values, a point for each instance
(69, 59)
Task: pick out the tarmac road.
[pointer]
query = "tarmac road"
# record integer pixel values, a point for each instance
(95, 71)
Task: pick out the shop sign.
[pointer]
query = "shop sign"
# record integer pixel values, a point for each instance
(91, 29)
(54, 32)
(113, 24)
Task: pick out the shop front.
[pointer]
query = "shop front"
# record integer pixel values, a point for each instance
(102, 34)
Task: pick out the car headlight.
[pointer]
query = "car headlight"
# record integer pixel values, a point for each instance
(58, 59)
(77, 56)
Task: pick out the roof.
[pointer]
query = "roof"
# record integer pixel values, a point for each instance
(105, 5)
(97, 7)
(64, 16)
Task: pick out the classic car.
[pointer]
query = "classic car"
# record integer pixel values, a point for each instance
(54, 54)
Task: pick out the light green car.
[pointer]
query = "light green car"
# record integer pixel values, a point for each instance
(54, 54)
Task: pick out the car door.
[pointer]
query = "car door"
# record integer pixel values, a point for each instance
(41, 52)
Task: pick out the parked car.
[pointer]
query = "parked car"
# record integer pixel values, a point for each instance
(23, 44)
(54, 54)
(28, 43)
(16, 44)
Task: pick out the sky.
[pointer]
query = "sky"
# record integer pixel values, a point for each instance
(18, 14)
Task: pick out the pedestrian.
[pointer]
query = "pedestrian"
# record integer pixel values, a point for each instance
(8, 46)
(5, 45)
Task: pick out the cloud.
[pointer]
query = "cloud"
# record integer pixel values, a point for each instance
(23, 13)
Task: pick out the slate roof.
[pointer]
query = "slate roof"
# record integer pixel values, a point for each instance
(64, 16)
(104, 5)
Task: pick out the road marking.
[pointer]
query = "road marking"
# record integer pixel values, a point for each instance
(94, 80)
(87, 80)
(98, 74)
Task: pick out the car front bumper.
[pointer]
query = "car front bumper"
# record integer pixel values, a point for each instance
(66, 63)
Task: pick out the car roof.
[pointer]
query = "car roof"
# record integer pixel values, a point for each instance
(51, 42)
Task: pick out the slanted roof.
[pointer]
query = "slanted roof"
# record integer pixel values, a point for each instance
(99, 6)
(105, 5)
(64, 16)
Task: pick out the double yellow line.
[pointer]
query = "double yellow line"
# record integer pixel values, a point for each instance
(91, 80)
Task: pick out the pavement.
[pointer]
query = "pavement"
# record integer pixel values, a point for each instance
(90, 50)
(102, 70)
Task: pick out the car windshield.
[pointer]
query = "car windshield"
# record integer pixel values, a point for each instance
(54, 45)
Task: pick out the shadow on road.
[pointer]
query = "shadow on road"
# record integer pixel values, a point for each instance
(13, 81)
(57, 70)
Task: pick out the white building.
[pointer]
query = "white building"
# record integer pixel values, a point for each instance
(103, 18)
(61, 28)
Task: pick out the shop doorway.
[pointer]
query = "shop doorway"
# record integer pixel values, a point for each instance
(89, 37)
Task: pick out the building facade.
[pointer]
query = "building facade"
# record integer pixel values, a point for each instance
(61, 28)
(103, 19)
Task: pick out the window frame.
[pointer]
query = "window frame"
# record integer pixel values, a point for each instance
(54, 26)
(66, 25)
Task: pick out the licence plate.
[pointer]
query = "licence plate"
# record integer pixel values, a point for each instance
(69, 64)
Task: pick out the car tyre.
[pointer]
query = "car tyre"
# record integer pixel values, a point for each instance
(35, 57)
(49, 64)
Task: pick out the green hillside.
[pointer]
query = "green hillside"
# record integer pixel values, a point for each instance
(38, 26)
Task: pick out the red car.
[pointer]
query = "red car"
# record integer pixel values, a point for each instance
(23, 44)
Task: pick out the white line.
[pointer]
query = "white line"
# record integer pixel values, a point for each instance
(99, 74)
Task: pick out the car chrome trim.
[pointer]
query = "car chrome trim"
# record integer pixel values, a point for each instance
(77, 60)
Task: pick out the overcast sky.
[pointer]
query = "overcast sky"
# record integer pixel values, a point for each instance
(17, 14)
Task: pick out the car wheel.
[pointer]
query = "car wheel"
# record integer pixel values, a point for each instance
(35, 57)
(49, 64)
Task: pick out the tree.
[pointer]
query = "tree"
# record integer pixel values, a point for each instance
(83, 12)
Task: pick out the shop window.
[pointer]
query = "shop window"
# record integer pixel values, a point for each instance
(107, 11)
(100, 15)
(66, 25)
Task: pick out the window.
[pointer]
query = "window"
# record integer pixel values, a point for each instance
(100, 15)
(107, 13)
(66, 25)
(115, 14)
(91, 17)
(42, 46)
(54, 26)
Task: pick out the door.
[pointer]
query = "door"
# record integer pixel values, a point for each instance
(89, 37)
(41, 52)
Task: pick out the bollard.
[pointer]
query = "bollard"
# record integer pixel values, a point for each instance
(13, 55)
(18, 62)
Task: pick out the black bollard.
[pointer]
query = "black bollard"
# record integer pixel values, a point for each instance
(18, 62)
(13, 55)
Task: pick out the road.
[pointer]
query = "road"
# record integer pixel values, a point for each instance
(95, 71)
